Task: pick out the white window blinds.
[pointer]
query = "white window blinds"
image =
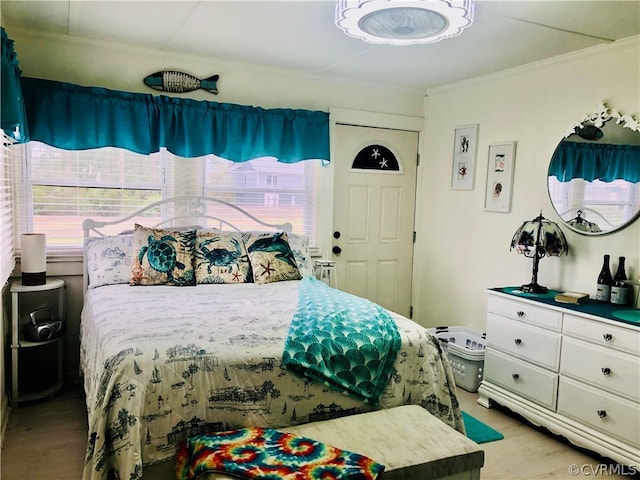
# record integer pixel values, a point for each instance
(274, 192)
(61, 188)
(7, 262)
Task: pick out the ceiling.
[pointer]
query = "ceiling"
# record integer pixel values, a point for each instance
(301, 35)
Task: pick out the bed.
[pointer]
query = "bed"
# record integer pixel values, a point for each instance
(203, 346)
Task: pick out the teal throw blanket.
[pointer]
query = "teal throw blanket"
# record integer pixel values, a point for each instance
(346, 342)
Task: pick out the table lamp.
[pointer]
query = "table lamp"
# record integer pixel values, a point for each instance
(535, 239)
(33, 258)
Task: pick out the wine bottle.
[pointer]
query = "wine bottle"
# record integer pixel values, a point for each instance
(619, 288)
(603, 290)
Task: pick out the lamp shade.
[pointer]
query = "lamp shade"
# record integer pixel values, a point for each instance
(404, 22)
(535, 239)
(540, 236)
(33, 258)
(583, 225)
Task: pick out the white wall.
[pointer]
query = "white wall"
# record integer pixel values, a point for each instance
(462, 249)
(122, 67)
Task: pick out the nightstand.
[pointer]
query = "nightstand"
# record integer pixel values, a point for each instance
(20, 345)
(325, 270)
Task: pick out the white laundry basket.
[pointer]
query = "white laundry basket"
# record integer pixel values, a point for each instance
(465, 351)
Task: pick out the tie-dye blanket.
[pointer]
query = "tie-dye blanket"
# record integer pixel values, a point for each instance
(346, 342)
(262, 453)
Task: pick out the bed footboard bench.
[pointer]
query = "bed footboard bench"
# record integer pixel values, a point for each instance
(408, 440)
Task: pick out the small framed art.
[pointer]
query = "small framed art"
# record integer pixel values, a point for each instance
(500, 167)
(464, 157)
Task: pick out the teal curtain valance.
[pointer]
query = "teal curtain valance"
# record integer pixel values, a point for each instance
(77, 118)
(13, 117)
(605, 162)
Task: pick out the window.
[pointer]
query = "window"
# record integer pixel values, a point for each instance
(271, 199)
(272, 179)
(61, 188)
(271, 191)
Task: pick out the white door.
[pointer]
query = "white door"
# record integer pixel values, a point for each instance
(373, 217)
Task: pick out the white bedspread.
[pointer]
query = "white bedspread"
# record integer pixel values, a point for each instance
(161, 363)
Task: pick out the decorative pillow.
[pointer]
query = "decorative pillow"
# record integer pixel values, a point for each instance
(163, 257)
(221, 257)
(109, 259)
(271, 257)
(300, 246)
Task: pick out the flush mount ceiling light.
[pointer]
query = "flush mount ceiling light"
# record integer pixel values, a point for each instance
(394, 22)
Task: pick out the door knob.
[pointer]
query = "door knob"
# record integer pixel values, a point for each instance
(336, 250)
(336, 234)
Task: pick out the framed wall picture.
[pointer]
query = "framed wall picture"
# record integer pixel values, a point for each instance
(500, 167)
(464, 157)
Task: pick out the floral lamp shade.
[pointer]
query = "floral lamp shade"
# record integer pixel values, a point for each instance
(584, 225)
(535, 239)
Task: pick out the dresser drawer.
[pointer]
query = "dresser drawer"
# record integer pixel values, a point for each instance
(605, 334)
(526, 342)
(604, 368)
(615, 416)
(536, 384)
(526, 312)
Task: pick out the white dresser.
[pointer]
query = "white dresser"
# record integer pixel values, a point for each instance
(572, 369)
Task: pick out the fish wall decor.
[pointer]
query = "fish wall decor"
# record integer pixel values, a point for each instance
(180, 82)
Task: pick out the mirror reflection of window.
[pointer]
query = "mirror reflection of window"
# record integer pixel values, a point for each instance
(594, 175)
(607, 204)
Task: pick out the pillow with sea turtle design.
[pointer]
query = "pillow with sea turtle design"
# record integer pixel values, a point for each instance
(271, 257)
(221, 257)
(163, 257)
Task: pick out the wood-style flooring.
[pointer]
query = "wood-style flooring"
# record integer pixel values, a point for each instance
(46, 441)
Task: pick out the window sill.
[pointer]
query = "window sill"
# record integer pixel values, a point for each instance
(59, 264)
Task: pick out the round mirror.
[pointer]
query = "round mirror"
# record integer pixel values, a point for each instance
(594, 174)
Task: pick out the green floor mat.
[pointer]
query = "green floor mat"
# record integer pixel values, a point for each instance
(479, 432)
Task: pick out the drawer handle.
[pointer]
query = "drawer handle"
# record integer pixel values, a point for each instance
(518, 341)
(607, 337)
(606, 370)
(515, 376)
(602, 413)
(520, 313)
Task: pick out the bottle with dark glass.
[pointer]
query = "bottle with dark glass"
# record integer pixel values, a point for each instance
(605, 280)
(619, 288)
